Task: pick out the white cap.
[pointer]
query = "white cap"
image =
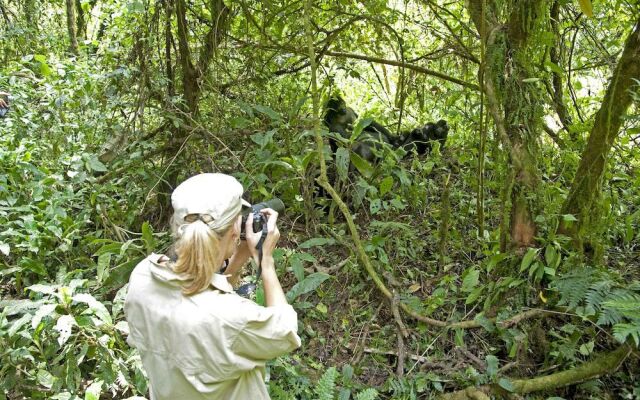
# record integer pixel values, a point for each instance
(217, 195)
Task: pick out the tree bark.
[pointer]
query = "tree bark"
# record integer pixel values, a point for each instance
(71, 26)
(190, 87)
(193, 72)
(587, 183)
(513, 103)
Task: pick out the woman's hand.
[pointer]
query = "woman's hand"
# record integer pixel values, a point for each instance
(273, 293)
(273, 234)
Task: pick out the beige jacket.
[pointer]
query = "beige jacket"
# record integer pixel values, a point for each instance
(212, 345)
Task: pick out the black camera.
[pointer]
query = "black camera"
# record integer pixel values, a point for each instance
(259, 223)
(259, 220)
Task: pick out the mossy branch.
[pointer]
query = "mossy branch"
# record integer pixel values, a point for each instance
(601, 365)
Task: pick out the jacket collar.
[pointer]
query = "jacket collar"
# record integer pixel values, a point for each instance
(163, 272)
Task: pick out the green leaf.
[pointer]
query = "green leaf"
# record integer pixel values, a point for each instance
(104, 260)
(473, 296)
(586, 7)
(367, 394)
(551, 256)
(5, 248)
(553, 67)
(506, 385)
(46, 310)
(528, 258)
(147, 237)
(342, 162)
(45, 289)
(263, 139)
(19, 323)
(374, 206)
(94, 391)
(120, 274)
(33, 266)
(45, 378)
(97, 307)
(357, 130)
(470, 280)
(363, 166)
(308, 284)
(93, 164)
(297, 267)
(492, 365)
(459, 337)
(112, 248)
(314, 242)
(569, 218)
(385, 185)
(269, 112)
(485, 322)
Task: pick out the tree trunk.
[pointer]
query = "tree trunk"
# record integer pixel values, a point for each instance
(514, 104)
(558, 86)
(586, 186)
(71, 27)
(193, 72)
(190, 87)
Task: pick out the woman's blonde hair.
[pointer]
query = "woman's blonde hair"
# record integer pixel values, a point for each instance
(199, 251)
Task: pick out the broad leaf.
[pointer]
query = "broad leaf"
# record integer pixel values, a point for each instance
(308, 284)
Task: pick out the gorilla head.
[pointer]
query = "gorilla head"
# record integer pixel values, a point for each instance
(421, 138)
(339, 118)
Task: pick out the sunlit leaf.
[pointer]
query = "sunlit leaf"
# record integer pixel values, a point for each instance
(586, 7)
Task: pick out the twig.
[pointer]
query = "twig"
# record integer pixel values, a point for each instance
(396, 315)
(401, 356)
(478, 362)
(358, 355)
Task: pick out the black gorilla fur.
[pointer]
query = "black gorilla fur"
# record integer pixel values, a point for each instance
(340, 119)
(421, 138)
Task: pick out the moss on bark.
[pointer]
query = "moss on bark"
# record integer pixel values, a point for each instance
(587, 183)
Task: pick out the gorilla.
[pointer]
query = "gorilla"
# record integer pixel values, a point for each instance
(340, 119)
(420, 138)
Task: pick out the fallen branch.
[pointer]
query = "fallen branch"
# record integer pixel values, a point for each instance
(473, 324)
(601, 365)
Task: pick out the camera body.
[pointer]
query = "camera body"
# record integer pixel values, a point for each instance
(259, 220)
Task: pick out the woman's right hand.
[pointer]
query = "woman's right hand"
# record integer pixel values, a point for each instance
(273, 234)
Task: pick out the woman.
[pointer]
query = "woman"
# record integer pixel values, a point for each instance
(197, 338)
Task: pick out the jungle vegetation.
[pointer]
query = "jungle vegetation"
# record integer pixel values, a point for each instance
(500, 263)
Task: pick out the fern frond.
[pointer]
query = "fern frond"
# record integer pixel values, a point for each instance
(327, 384)
(621, 304)
(573, 286)
(622, 332)
(367, 394)
(596, 294)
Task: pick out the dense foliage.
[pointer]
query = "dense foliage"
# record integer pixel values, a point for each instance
(497, 258)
